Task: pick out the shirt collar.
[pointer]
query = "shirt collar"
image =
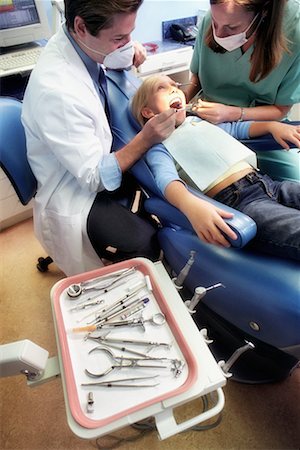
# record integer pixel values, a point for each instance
(92, 67)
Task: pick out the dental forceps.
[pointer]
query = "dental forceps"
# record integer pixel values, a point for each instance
(118, 382)
(122, 362)
(110, 281)
(105, 339)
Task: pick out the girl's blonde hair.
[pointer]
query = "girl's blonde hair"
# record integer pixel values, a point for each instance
(142, 96)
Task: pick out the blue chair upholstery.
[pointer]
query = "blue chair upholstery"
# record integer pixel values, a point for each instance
(280, 165)
(13, 159)
(261, 301)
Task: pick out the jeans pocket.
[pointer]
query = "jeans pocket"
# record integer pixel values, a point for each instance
(230, 196)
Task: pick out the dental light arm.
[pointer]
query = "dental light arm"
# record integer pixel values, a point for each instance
(23, 357)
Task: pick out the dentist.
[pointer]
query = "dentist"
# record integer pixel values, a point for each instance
(77, 217)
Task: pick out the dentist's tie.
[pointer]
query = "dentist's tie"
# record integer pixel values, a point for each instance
(104, 92)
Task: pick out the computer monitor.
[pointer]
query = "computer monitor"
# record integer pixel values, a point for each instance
(23, 21)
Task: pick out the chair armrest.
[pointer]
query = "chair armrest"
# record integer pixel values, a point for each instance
(266, 142)
(240, 223)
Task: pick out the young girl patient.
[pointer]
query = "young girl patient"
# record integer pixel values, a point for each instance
(229, 176)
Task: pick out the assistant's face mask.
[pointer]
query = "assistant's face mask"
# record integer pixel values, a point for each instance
(234, 41)
(121, 58)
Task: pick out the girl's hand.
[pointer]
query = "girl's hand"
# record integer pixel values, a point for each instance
(284, 133)
(207, 221)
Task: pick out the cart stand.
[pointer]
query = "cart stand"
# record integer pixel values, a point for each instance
(209, 379)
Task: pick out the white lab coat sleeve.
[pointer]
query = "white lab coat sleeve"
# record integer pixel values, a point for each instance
(68, 128)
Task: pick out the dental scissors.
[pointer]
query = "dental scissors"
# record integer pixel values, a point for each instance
(110, 281)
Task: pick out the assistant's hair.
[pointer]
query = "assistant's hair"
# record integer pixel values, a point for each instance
(270, 41)
(142, 96)
(98, 14)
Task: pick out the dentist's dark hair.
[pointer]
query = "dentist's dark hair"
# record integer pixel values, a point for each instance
(98, 14)
(270, 41)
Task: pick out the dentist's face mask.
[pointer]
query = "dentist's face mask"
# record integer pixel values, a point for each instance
(234, 41)
(121, 58)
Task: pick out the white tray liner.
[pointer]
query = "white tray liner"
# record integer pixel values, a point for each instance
(111, 401)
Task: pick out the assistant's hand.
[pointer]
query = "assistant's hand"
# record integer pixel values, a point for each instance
(284, 133)
(215, 112)
(140, 54)
(159, 127)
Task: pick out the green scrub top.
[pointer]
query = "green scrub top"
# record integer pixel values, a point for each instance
(225, 77)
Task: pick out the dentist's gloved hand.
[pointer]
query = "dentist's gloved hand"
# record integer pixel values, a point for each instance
(140, 54)
(159, 127)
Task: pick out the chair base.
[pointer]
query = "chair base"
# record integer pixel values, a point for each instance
(43, 264)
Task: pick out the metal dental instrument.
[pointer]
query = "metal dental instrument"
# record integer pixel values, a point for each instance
(74, 290)
(156, 319)
(179, 280)
(104, 312)
(199, 293)
(122, 362)
(87, 304)
(115, 382)
(129, 341)
(124, 307)
(102, 322)
(179, 85)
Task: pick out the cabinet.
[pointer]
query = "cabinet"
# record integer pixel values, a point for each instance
(170, 58)
(11, 209)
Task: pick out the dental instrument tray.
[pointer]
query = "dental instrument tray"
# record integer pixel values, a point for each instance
(122, 346)
(85, 356)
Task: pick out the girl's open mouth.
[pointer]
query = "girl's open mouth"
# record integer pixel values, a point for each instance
(176, 103)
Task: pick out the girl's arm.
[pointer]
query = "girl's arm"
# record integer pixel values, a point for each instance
(206, 219)
(283, 133)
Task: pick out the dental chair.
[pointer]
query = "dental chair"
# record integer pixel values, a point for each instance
(259, 308)
(13, 159)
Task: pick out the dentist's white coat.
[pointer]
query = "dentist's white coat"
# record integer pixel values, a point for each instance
(67, 135)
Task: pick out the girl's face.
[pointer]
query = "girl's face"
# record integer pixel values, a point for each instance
(165, 95)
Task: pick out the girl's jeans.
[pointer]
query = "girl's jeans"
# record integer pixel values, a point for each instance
(274, 206)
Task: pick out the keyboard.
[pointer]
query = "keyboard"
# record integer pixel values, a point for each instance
(19, 61)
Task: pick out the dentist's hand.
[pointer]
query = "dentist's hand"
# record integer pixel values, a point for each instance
(159, 127)
(140, 54)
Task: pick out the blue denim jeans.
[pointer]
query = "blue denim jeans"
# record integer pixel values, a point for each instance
(274, 206)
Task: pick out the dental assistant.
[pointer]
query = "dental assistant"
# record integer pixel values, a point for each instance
(247, 60)
(77, 217)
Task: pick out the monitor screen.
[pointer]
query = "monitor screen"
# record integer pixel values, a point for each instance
(22, 21)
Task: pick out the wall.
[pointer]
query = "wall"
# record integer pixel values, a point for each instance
(153, 12)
